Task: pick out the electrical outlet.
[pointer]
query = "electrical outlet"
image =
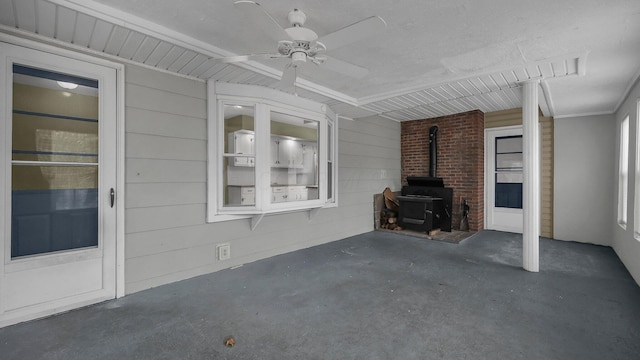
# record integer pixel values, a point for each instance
(223, 251)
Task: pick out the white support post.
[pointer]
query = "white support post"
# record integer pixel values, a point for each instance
(531, 172)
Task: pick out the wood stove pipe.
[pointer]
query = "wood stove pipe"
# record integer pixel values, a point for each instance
(433, 150)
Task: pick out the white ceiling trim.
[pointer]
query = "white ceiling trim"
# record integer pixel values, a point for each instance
(458, 96)
(98, 29)
(207, 52)
(487, 92)
(548, 101)
(600, 113)
(6, 31)
(137, 24)
(627, 91)
(568, 65)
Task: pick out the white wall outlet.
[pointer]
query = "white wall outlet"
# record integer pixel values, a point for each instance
(223, 251)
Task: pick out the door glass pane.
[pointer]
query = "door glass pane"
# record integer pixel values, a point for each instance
(330, 162)
(54, 179)
(293, 158)
(509, 144)
(508, 175)
(239, 155)
(509, 161)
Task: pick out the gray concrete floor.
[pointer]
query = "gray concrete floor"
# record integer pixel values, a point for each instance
(377, 295)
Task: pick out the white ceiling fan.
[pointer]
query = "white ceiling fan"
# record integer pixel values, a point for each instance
(302, 45)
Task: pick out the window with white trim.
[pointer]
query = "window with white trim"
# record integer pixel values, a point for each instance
(508, 172)
(623, 173)
(269, 152)
(636, 208)
(331, 169)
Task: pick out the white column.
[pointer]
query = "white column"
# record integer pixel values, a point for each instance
(531, 172)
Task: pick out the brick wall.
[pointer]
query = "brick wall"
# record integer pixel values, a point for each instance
(460, 159)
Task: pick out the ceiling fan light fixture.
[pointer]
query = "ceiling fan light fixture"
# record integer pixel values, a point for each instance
(296, 17)
(298, 58)
(67, 85)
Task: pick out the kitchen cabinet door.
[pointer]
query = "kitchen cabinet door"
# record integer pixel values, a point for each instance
(242, 143)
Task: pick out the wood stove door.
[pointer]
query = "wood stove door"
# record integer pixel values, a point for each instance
(503, 179)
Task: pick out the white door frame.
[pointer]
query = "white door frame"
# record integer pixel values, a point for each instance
(504, 219)
(7, 318)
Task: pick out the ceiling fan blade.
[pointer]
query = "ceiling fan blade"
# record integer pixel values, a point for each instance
(344, 67)
(241, 58)
(288, 79)
(258, 16)
(354, 32)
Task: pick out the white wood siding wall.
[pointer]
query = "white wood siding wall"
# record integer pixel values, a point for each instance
(167, 238)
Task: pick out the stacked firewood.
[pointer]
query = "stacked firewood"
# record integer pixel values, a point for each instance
(389, 220)
(389, 215)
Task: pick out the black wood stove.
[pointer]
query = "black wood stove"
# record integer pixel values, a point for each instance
(425, 204)
(425, 207)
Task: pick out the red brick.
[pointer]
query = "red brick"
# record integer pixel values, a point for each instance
(460, 159)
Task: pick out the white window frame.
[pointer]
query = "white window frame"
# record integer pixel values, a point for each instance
(623, 173)
(265, 101)
(332, 159)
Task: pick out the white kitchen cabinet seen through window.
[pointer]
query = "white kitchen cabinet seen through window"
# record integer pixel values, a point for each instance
(242, 142)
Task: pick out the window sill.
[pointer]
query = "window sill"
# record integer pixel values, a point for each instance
(257, 216)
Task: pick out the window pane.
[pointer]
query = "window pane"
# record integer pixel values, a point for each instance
(239, 155)
(54, 172)
(293, 158)
(508, 172)
(330, 141)
(509, 195)
(508, 144)
(509, 161)
(52, 123)
(636, 210)
(54, 208)
(330, 180)
(330, 163)
(509, 177)
(623, 172)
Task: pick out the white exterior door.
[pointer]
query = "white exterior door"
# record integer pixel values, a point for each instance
(503, 179)
(58, 160)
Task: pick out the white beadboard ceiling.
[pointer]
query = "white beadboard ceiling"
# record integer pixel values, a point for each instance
(435, 58)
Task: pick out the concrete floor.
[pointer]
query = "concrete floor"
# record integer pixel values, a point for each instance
(377, 295)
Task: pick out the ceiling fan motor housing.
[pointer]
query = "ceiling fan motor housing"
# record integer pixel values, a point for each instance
(298, 50)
